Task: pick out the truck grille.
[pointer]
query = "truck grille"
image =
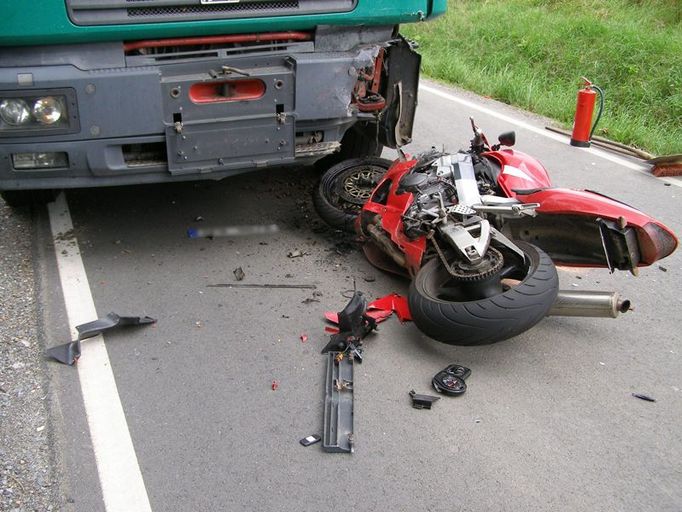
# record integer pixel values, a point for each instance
(211, 9)
(86, 12)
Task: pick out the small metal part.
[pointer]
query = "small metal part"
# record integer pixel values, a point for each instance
(228, 70)
(338, 404)
(509, 211)
(422, 401)
(646, 398)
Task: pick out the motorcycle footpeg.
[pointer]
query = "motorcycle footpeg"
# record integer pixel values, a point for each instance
(450, 381)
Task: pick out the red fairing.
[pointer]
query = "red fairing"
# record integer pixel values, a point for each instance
(391, 215)
(519, 171)
(656, 240)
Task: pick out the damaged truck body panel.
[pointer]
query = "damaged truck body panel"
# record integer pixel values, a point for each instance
(126, 111)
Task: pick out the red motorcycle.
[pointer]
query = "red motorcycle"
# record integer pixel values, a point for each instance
(479, 233)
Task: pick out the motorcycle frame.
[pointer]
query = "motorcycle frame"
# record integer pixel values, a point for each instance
(575, 227)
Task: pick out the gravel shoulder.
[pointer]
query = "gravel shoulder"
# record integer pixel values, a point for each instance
(29, 479)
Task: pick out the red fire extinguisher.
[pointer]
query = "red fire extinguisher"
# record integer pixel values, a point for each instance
(582, 132)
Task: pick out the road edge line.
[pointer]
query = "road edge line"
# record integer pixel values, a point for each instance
(119, 472)
(541, 131)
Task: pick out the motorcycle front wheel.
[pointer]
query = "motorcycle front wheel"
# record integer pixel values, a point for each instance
(448, 310)
(345, 187)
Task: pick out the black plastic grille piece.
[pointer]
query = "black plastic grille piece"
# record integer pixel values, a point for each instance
(211, 8)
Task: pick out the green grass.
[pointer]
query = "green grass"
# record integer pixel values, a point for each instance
(532, 53)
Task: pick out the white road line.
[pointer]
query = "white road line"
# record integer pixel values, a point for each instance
(119, 473)
(545, 133)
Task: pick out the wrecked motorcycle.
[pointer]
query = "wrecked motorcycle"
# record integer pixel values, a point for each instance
(480, 231)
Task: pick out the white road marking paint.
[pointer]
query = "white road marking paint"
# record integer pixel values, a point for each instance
(545, 133)
(119, 473)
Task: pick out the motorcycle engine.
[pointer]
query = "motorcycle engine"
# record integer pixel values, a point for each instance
(443, 180)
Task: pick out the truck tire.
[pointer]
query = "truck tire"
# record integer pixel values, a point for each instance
(359, 141)
(343, 189)
(488, 319)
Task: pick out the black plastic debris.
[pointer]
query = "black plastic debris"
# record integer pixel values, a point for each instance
(450, 381)
(264, 286)
(646, 398)
(308, 440)
(422, 401)
(68, 353)
(354, 326)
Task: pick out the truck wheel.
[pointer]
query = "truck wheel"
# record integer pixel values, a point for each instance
(443, 309)
(360, 141)
(342, 190)
(19, 198)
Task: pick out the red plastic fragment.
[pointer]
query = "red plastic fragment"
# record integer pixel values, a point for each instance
(381, 309)
(304, 338)
(392, 302)
(274, 385)
(376, 314)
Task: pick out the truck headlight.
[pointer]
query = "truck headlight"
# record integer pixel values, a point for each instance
(48, 110)
(15, 111)
(27, 113)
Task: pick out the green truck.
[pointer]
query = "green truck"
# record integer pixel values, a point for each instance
(115, 92)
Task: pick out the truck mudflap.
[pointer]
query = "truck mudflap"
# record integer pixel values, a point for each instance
(402, 83)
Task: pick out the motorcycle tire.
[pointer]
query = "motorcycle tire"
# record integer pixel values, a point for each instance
(343, 189)
(486, 320)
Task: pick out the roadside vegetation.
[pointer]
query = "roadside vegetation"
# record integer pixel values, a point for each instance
(532, 54)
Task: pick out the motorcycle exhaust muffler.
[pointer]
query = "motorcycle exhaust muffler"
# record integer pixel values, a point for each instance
(589, 303)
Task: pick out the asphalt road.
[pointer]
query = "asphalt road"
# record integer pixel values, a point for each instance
(548, 421)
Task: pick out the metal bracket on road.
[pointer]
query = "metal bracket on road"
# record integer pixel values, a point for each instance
(338, 403)
(68, 353)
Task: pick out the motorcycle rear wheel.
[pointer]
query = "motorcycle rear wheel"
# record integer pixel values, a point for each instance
(481, 321)
(345, 187)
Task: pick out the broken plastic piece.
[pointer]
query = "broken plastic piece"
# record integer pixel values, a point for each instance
(377, 314)
(274, 385)
(338, 404)
(422, 401)
(239, 273)
(68, 353)
(382, 308)
(450, 381)
(354, 325)
(304, 338)
(392, 302)
(307, 441)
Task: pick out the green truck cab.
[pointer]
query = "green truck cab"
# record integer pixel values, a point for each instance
(115, 92)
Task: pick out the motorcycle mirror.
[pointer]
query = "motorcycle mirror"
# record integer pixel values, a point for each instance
(507, 138)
